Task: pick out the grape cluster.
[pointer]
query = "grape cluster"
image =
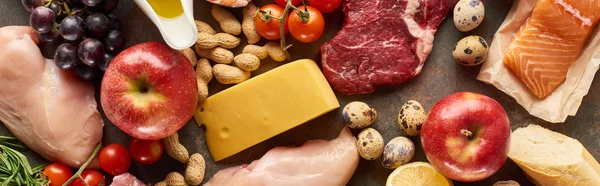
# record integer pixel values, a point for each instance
(89, 36)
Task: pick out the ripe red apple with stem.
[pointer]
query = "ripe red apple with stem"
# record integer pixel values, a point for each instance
(466, 136)
(149, 91)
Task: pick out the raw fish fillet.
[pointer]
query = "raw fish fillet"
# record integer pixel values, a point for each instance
(50, 110)
(231, 3)
(317, 162)
(550, 41)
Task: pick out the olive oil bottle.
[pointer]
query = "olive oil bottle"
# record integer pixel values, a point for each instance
(166, 8)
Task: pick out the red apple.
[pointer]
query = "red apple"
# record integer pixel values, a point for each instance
(466, 136)
(149, 91)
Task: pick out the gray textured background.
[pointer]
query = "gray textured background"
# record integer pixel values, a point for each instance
(441, 76)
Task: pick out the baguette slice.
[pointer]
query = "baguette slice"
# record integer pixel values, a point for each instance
(550, 158)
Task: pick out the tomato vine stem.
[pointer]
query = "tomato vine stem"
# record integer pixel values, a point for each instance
(83, 166)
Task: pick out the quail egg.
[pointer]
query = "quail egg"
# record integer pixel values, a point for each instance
(411, 117)
(358, 115)
(369, 144)
(468, 14)
(471, 51)
(398, 151)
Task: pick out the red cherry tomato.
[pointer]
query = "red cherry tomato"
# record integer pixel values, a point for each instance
(307, 31)
(91, 178)
(269, 29)
(282, 3)
(325, 6)
(114, 159)
(146, 151)
(58, 174)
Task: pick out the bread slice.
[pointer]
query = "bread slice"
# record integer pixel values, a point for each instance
(550, 158)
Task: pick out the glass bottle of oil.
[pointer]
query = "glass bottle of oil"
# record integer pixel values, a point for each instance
(167, 8)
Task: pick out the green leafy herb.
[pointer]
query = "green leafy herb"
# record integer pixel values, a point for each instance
(14, 166)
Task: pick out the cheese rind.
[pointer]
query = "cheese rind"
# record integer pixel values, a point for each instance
(550, 158)
(264, 106)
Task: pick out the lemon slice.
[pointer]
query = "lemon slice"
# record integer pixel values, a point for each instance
(417, 174)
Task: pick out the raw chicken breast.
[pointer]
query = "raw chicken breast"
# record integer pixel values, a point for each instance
(50, 110)
(550, 41)
(317, 162)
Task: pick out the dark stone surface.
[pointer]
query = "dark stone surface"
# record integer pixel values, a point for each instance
(441, 76)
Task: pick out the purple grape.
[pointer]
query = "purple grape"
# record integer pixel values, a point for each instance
(42, 19)
(96, 24)
(85, 72)
(57, 9)
(65, 56)
(71, 27)
(49, 37)
(113, 22)
(107, 59)
(106, 6)
(91, 52)
(114, 42)
(31, 4)
(91, 2)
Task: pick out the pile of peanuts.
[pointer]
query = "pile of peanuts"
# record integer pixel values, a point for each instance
(213, 46)
(194, 173)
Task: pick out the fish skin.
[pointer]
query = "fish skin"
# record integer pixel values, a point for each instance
(50, 110)
(550, 41)
(317, 162)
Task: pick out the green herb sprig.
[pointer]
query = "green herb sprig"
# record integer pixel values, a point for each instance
(14, 166)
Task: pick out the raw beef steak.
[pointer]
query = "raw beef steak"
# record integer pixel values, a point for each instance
(382, 42)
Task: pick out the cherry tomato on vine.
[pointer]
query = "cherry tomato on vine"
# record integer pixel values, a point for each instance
(269, 28)
(114, 159)
(325, 6)
(91, 178)
(309, 29)
(57, 173)
(146, 151)
(282, 3)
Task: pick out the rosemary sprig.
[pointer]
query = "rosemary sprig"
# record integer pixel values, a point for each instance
(14, 166)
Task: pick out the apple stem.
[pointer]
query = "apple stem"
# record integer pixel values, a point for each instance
(467, 133)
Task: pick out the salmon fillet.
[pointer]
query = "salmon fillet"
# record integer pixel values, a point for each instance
(550, 41)
(231, 3)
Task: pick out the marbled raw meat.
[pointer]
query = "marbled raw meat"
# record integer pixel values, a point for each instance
(126, 179)
(382, 42)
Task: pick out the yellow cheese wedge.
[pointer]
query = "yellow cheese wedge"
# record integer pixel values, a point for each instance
(264, 106)
(550, 158)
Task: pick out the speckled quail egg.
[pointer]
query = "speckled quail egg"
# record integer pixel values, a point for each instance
(470, 51)
(358, 115)
(411, 117)
(369, 144)
(398, 151)
(468, 14)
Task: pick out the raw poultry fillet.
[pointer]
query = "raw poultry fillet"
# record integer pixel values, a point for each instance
(50, 110)
(317, 162)
(550, 41)
(382, 42)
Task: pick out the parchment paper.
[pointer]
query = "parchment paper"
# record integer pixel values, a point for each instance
(565, 100)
